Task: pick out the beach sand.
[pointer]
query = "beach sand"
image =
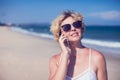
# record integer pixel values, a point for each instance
(26, 57)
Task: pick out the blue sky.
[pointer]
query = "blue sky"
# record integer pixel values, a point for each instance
(95, 12)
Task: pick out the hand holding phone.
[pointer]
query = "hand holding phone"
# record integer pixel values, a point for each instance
(64, 44)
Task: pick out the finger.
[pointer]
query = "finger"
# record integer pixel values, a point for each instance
(62, 38)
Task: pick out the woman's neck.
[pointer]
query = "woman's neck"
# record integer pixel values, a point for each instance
(75, 47)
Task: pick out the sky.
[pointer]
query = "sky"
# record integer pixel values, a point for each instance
(95, 12)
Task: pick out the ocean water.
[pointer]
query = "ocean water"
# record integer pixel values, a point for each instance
(106, 38)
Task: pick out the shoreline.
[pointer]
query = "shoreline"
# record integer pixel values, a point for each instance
(26, 57)
(101, 45)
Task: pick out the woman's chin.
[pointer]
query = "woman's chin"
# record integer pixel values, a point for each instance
(74, 40)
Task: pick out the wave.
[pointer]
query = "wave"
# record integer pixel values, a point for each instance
(110, 44)
(102, 43)
(30, 32)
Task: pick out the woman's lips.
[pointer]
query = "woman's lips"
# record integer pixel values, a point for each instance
(74, 34)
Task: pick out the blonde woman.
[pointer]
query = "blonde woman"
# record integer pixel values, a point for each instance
(75, 61)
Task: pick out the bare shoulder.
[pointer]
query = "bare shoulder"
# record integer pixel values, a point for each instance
(53, 64)
(99, 64)
(55, 58)
(97, 57)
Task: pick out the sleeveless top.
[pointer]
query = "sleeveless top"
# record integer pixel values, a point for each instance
(88, 74)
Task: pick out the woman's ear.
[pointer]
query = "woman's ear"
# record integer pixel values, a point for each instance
(60, 33)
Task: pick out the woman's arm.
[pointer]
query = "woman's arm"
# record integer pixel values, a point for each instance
(102, 70)
(58, 72)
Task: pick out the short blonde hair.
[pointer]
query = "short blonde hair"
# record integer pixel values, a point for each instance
(55, 26)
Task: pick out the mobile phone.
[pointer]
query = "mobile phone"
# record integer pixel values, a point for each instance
(66, 42)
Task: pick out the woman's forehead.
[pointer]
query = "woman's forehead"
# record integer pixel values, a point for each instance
(68, 20)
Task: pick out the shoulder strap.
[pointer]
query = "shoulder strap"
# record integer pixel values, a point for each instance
(59, 60)
(90, 55)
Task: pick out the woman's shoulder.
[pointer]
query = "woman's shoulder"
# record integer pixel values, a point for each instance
(97, 56)
(55, 58)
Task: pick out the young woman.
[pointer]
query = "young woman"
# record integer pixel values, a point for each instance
(75, 61)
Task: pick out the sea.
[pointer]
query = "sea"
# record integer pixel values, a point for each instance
(103, 38)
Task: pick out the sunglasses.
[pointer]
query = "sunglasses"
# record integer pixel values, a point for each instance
(76, 24)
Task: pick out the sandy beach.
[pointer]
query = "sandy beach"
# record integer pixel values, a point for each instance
(26, 57)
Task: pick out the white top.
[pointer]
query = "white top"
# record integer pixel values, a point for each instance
(88, 74)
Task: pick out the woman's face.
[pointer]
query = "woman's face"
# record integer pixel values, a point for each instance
(73, 34)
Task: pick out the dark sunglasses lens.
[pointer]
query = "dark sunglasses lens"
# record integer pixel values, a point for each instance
(77, 24)
(66, 27)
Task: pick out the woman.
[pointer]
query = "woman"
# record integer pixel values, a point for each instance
(75, 61)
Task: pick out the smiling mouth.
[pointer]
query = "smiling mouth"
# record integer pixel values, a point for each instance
(74, 34)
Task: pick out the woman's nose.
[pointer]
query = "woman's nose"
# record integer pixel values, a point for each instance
(73, 28)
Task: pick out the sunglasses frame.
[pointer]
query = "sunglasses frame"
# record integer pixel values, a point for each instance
(70, 26)
(76, 24)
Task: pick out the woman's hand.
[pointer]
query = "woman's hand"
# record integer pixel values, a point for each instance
(64, 44)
